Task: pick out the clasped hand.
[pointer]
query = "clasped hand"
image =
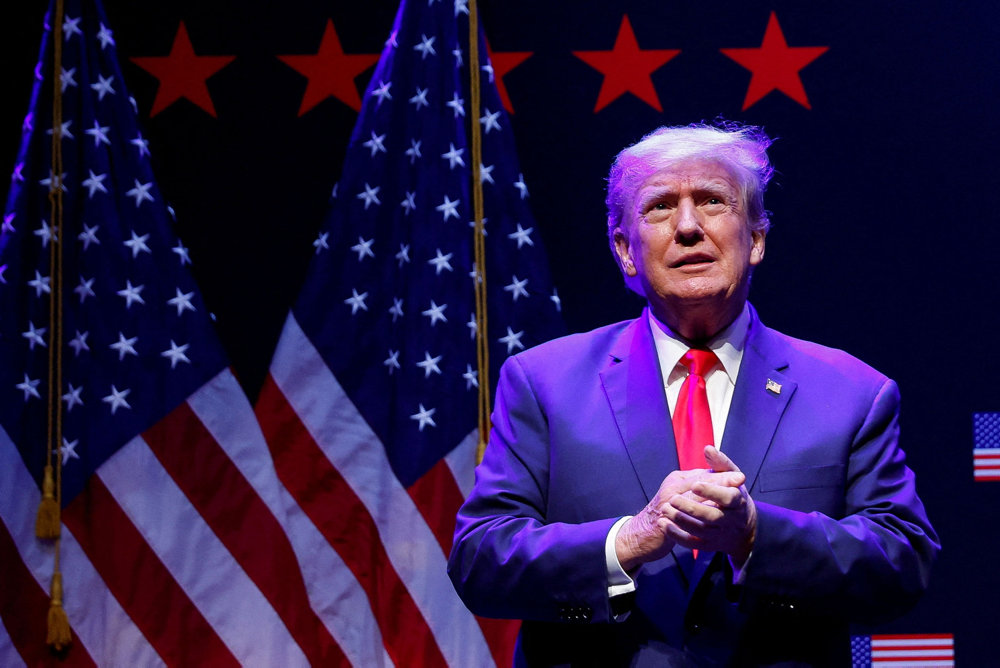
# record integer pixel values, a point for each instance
(703, 509)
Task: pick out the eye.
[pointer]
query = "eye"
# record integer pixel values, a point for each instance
(714, 200)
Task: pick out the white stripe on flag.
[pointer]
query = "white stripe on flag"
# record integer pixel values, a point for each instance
(913, 642)
(351, 446)
(97, 620)
(333, 592)
(462, 463)
(201, 564)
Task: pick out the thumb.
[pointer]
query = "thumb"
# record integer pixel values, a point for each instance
(718, 461)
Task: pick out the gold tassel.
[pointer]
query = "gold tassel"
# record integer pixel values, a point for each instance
(47, 522)
(59, 635)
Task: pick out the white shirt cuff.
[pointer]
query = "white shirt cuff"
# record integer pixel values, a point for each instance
(619, 581)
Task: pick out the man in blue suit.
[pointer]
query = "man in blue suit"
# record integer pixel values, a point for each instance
(691, 488)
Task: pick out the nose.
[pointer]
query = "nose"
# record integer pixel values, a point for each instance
(689, 222)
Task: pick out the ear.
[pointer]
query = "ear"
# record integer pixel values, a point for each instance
(757, 249)
(624, 252)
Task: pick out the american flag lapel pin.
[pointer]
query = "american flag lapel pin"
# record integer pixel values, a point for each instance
(773, 387)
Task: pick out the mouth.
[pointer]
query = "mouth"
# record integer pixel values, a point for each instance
(693, 260)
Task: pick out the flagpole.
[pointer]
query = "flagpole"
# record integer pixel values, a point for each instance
(48, 522)
(482, 340)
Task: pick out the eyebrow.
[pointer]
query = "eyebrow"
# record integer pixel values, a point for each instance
(714, 186)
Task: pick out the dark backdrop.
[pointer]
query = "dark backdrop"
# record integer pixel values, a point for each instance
(884, 203)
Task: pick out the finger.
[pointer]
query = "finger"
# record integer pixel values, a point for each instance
(719, 461)
(725, 479)
(682, 537)
(691, 515)
(723, 496)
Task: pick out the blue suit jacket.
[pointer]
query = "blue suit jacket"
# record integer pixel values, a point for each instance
(582, 436)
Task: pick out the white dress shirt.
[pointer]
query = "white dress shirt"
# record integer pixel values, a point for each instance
(719, 383)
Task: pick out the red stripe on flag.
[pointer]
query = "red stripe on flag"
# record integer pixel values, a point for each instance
(438, 498)
(144, 587)
(345, 523)
(244, 524)
(24, 609)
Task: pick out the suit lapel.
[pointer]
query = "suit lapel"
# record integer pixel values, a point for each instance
(634, 388)
(761, 395)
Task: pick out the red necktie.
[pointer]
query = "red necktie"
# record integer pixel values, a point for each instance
(692, 418)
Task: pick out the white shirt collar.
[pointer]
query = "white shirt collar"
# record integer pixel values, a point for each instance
(727, 345)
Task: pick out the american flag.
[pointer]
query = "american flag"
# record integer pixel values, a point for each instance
(921, 649)
(370, 404)
(986, 446)
(175, 540)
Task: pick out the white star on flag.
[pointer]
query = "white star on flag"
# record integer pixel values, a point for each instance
(396, 309)
(408, 202)
(424, 416)
(88, 236)
(29, 387)
(140, 192)
(375, 144)
(182, 301)
(382, 93)
(516, 287)
(471, 377)
(420, 99)
(117, 399)
(414, 151)
(124, 346)
(404, 254)
(392, 361)
(522, 236)
(357, 301)
(103, 87)
(426, 46)
(512, 340)
(370, 196)
(176, 353)
(72, 397)
(430, 364)
(435, 313)
(489, 121)
(453, 155)
(131, 294)
(458, 104)
(85, 289)
(79, 342)
(448, 208)
(441, 262)
(40, 284)
(34, 336)
(68, 450)
(94, 183)
(100, 134)
(137, 244)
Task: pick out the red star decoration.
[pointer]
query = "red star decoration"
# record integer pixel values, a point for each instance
(775, 65)
(627, 68)
(182, 73)
(502, 64)
(331, 72)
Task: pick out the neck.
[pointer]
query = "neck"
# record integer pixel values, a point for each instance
(697, 323)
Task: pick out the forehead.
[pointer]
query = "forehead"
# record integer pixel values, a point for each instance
(695, 174)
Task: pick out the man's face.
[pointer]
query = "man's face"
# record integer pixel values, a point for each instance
(685, 239)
